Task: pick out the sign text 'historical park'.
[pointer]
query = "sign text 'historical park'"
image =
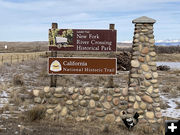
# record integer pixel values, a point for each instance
(82, 40)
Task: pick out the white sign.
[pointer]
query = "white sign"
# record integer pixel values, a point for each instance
(61, 40)
(5, 46)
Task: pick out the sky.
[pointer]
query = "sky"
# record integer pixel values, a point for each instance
(29, 20)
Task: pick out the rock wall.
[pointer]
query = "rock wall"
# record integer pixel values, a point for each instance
(83, 103)
(106, 104)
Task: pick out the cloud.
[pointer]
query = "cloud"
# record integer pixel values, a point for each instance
(79, 5)
(27, 6)
(34, 17)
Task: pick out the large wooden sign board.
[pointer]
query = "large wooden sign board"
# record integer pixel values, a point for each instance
(68, 65)
(82, 40)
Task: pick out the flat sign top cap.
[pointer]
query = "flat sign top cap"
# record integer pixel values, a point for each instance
(144, 19)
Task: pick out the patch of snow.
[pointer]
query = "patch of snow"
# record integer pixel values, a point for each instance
(3, 98)
(3, 101)
(128, 41)
(171, 111)
(168, 41)
(4, 94)
(173, 65)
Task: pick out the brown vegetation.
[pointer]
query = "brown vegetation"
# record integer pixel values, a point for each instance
(22, 47)
(35, 113)
(70, 127)
(163, 68)
(124, 61)
(36, 76)
(18, 79)
(167, 49)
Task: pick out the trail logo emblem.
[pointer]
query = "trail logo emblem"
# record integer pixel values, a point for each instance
(55, 66)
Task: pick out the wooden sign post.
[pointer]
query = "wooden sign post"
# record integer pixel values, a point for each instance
(111, 80)
(53, 54)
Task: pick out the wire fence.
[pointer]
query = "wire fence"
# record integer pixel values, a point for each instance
(10, 58)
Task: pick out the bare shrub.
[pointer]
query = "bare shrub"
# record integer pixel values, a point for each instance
(163, 68)
(163, 105)
(5, 107)
(43, 73)
(110, 83)
(167, 49)
(178, 88)
(105, 128)
(174, 92)
(15, 99)
(35, 113)
(124, 61)
(166, 89)
(18, 79)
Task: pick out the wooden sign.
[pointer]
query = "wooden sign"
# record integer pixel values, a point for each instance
(82, 40)
(68, 65)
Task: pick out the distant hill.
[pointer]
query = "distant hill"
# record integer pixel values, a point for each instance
(122, 45)
(168, 43)
(38, 46)
(35, 46)
(24, 43)
(158, 42)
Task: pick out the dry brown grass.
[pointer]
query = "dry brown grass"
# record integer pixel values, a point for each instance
(178, 105)
(5, 107)
(20, 98)
(11, 58)
(166, 89)
(15, 99)
(167, 49)
(18, 79)
(164, 105)
(43, 73)
(35, 113)
(24, 46)
(175, 57)
(64, 127)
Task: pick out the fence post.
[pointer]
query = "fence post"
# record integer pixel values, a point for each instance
(2, 59)
(53, 54)
(111, 81)
(22, 57)
(18, 58)
(11, 59)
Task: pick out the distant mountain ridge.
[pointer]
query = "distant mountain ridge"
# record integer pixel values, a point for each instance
(168, 42)
(159, 42)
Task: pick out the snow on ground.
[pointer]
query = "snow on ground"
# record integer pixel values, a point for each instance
(171, 111)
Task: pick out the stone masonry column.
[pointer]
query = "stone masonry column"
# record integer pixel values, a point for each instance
(143, 83)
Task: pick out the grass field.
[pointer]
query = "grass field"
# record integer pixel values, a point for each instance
(10, 58)
(23, 70)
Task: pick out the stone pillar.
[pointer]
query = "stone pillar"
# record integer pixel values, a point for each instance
(143, 83)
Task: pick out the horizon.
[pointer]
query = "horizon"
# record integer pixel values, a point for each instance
(124, 42)
(29, 20)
